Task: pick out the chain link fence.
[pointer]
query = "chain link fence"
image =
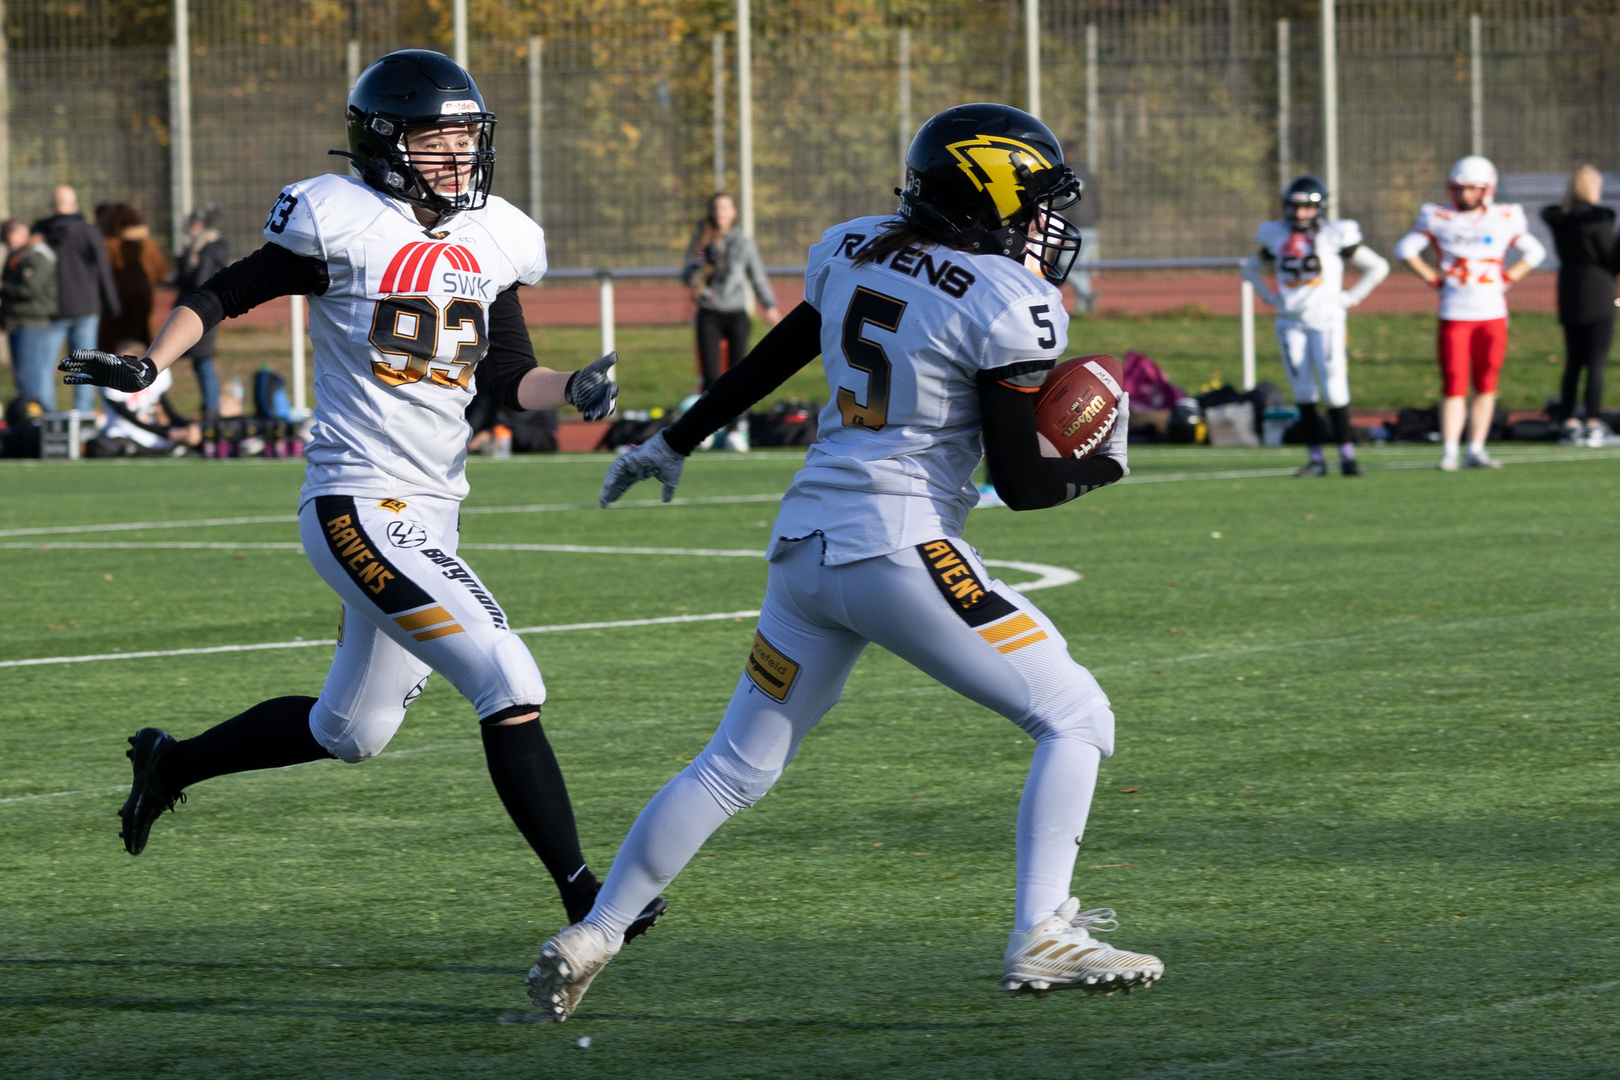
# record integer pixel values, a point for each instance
(1185, 128)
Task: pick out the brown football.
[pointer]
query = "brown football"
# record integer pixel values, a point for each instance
(1077, 406)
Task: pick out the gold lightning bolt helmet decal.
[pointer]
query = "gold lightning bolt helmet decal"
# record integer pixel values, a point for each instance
(992, 161)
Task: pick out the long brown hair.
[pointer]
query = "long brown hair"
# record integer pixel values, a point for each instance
(1585, 185)
(895, 236)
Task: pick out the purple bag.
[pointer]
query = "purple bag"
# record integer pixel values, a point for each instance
(1147, 383)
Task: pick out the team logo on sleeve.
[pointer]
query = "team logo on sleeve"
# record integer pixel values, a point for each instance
(992, 163)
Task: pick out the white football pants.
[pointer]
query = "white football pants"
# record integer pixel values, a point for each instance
(410, 606)
(933, 606)
(1315, 358)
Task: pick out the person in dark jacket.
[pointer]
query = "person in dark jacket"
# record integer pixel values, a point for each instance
(721, 264)
(1588, 260)
(84, 285)
(205, 254)
(138, 264)
(27, 306)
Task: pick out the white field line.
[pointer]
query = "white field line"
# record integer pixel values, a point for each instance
(722, 500)
(1385, 1033)
(1048, 577)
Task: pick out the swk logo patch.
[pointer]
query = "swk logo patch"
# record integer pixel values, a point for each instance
(771, 671)
(406, 533)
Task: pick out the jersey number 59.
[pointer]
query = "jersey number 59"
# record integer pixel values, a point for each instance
(410, 326)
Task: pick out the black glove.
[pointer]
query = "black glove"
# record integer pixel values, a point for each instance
(124, 373)
(592, 390)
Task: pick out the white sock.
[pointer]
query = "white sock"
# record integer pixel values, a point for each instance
(1476, 448)
(1051, 821)
(666, 835)
(1449, 450)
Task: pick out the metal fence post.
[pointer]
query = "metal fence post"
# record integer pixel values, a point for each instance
(745, 116)
(1032, 55)
(458, 27)
(351, 62)
(180, 192)
(1476, 87)
(1091, 97)
(1285, 164)
(1330, 106)
(717, 53)
(1248, 335)
(5, 123)
(300, 395)
(905, 132)
(536, 45)
(604, 282)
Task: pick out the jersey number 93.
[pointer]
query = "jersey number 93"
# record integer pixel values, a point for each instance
(413, 327)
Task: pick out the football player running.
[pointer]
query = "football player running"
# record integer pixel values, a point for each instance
(1309, 254)
(412, 270)
(1472, 237)
(935, 335)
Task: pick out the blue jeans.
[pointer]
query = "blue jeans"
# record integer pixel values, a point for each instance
(33, 363)
(208, 382)
(75, 333)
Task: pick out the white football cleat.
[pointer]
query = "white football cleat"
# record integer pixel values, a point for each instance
(1061, 954)
(1449, 463)
(568, 962)
(1479, 459)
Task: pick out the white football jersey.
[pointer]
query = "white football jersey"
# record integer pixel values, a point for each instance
(1471, 245)
(902, 343)
(1310, 269)
(398, 331)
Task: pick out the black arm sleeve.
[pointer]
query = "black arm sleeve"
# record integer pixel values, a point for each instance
(270, 272)
(790, 345)
(1024, 479)
(511, 350)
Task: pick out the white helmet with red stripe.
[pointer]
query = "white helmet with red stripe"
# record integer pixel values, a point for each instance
(1473, 171)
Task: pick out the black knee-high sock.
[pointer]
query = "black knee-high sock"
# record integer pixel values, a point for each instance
(531, 786)
(1340, 418)
(270, 735)
(1311, 421)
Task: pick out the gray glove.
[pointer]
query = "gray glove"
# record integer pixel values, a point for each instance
(591, 390)
(128, 374)
(653, 458)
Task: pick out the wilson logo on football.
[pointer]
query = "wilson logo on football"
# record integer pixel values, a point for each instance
(411, 269)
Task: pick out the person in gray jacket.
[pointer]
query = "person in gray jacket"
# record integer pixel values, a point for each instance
(27, 306)
(721, 264)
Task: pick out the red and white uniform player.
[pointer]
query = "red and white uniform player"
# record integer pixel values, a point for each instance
(1472, 236)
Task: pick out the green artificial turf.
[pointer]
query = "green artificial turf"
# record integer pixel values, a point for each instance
(1363, 803)
(1391, 358)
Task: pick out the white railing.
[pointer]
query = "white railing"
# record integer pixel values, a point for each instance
(608, 304)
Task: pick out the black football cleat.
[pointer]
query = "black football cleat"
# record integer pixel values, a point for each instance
(147, 796)
(1351, 467)
(1312, 468)
(644, 922)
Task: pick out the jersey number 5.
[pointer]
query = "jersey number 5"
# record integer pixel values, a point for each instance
(883, 312)
(409, 326)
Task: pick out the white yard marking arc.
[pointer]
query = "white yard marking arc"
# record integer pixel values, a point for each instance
(1047, 577)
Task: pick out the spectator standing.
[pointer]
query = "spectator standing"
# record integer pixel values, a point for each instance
(84, 285)
(138, 264)
(1588, 260)
(205, 254)
(1472, 237)
(27, 306)
(721, 263)
(1087, 215)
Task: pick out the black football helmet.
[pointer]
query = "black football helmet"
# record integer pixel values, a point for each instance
(407, 91)
(979, 176)
(1302, 192)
